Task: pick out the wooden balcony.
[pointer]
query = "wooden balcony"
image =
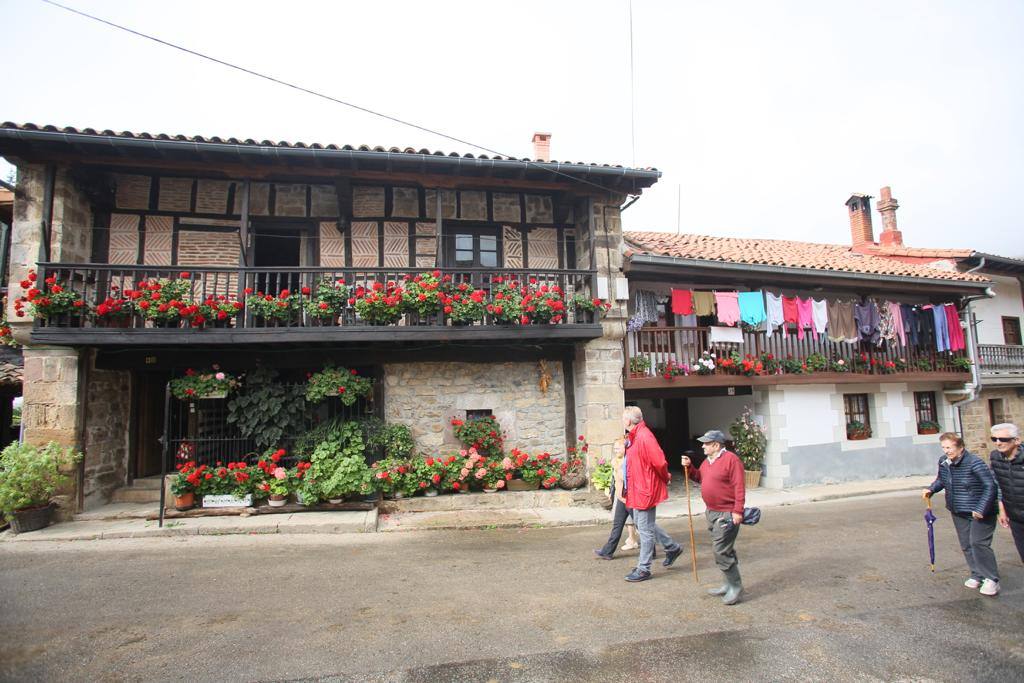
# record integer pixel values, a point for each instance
(1001, 361)
(830, 362)
(95, 283)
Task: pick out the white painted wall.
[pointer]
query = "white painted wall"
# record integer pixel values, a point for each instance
(809, 415)
(990, 312)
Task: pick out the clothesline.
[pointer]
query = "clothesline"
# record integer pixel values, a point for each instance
(841, 319)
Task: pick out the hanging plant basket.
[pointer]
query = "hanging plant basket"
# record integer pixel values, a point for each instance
(572, 480)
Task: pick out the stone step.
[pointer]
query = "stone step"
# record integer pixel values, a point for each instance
(518, 500)
(130, 494)
(146, 483)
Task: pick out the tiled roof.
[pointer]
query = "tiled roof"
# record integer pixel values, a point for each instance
(783, 253)
(919, 252)
(283, 143)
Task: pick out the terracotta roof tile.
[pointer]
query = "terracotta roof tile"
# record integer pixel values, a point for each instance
(920, 252)
(784, 253)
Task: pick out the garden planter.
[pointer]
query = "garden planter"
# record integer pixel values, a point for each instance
(65, 320)
(277, 501)
(858, 436)
(415, 318)
(167, 324)
(928, 430)
(226, 501)
(113, 322)
(430, 493)
(572, 480)
(490, 490)
(325, 322)
(752, 478)
(185, 501)
(523, 485)
(464, 489)
(335, 501)
(32, 519)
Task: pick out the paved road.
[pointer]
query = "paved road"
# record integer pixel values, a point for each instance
(837, 591)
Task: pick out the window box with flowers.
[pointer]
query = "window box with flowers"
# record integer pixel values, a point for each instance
(380, 304)
(506, 306)
(670, 370)
(213, 383)
(347, 385)
(50, 301)
(164, 302)
(283, 310)
(639, 366)
(219, 311)
(114, 311)
(422, 298)
(928, 427)
(542, 305)
(328, 301)
(465, 305)
(857, 431)
(705, 365)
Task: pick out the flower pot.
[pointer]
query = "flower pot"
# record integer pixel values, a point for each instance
(185, 501)
(928, 430)
(398, 495)
(31, 519)
(430, 493)
(227, 501)
(523, 485)
(335, 501)
(490, 490)
(572, 480)
(277, 501)
(858, 436)
(464, 489)
(752, 478)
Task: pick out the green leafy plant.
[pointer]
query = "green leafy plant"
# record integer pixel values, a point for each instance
(601, 477)
(47, 299)
(283, 308)
(506, 301)
(163, 299)
(928, 426)
(817, 362)
(267, 410)
(640, 365)
(199, 384)
(584, 303)
(31, 475)
(961, 363)
(422, 292)
(346, 384)
(856, 428)
(327, 298)
(839, 365)
(394, 439)
(339, 464)
(794, 366)
(482, 433)
(749, 440)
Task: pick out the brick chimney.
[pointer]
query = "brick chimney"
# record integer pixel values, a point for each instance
(890, 237)
(542, 146)
(861, 230)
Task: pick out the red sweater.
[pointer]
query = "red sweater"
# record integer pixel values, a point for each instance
(721, 483)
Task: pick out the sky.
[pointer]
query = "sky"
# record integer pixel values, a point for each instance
(763, 116)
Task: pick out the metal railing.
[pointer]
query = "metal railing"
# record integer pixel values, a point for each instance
(95, 283)
(1001, 359)
(655, 347)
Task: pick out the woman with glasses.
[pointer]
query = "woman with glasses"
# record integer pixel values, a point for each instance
(971, 500)
(1007, 464)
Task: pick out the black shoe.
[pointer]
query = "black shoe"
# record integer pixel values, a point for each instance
(671, 555)
(601, 556)
(637, 575)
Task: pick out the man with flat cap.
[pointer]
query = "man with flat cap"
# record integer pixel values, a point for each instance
(721, 486)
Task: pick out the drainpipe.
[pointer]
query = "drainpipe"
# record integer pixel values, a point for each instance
(974, 388)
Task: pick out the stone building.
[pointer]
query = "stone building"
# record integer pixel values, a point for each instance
(100, 212)
(811, 407)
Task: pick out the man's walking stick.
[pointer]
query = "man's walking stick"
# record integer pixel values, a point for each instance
(689, 510)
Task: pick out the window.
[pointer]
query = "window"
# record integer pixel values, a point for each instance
(996, 411)
(473, 248)
(1011, 331)
(925, 407)
(857, 411)
(477, 414)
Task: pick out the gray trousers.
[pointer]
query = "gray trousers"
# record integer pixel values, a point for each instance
(723, 542)
(976, 541)
(650, 533)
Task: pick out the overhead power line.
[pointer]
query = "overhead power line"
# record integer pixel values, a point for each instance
(315, 93)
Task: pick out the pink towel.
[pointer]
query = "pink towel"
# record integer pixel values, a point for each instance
(804, 316)
(728, 305)
(897, 321)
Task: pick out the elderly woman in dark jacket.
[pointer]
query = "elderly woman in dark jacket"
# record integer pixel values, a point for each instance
(971, 498)
(1007, 462)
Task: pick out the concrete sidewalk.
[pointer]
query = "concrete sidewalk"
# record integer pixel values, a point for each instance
(97, 526)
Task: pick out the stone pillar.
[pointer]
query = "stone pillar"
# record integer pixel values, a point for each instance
(598, 364)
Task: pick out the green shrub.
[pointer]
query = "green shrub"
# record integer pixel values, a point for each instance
(31, 475)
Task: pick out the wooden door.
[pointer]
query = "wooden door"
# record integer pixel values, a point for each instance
(1011, 331)
(149, 423)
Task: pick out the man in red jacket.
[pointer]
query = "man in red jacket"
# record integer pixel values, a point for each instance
(722, 488)
(645, 484)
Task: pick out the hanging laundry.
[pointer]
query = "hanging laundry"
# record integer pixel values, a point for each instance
(886, 326)
(866, 316)
(682, 301)
(773, 313)
(841, 325)
(686, 320)
(752, 308)
(941, 328)
(911, 324)
(645, 306)
(728, 307)
(956, 333)
(896, 311)
(704, 303)
(819, 316)
(728, 335)
(805, 317)
(789, 313)
(926, 323)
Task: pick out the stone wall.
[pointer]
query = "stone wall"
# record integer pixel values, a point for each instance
(425, 396)
(976, 418)
(108, 410)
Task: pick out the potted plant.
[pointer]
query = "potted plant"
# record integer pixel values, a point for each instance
(327, 300)
(114, 311)
(573, 473)
(639, 366)
(961, 363)
(226, 485)
(50, 301)
(857, 431)
(219, 311)
(346, 384)
(465, 305)
(282, 310)
(30, 476)
(422, 297)
(390, 476)
(928, 427)
(184, 484)
(306, 488)
(582, 303)
(535, 471)
(213, 383)
(705, 365)
(750, 443)
(163, 301)
(542, 304)
(506, 302)
(338, 464)
(380, 304)
(431, 473)
(482, 433)
(278, 486)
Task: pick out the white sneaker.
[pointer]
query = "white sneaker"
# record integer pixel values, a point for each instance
(990, 587)
(972, 582)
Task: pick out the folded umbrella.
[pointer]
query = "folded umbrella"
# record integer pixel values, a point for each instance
(929, 519)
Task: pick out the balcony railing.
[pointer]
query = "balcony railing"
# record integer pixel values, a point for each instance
(649, 352)
(94, 284)
(1001, 359)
